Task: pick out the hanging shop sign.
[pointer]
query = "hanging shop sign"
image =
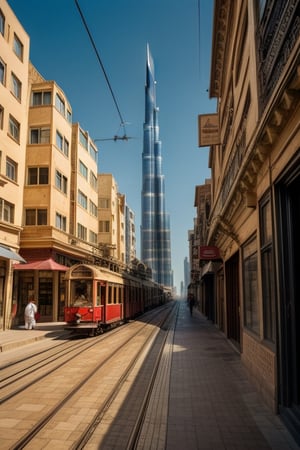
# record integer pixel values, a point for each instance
(209, 253)
(208, 130)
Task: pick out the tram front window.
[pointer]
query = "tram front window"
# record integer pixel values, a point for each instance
(81, 293)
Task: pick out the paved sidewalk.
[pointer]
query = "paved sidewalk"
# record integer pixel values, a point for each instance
(18, 337)
(212, 405)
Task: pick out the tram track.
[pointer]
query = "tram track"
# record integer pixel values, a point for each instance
(41, 368)
(14, 371)
(137, 330)
(134, 439)
(138, 421)
(30, 357)
(19, 375)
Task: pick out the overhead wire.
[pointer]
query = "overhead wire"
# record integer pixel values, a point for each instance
(101, 65)
(199, 41)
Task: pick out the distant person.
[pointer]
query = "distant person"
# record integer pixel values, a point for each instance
(191, 302)
(29, 314)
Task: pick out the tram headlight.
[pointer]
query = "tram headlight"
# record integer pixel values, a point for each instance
(91, 310)
(78, 317)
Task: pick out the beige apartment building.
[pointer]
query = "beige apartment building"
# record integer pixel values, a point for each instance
(130, 237)
(60, 223)
(111, 214)
(84, 201)
(48, 186)
(14, 60)
(254, 221)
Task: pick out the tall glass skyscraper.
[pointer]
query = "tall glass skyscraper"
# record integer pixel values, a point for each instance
(155, 227)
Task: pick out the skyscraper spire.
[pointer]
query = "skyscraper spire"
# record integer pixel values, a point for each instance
(155, 228)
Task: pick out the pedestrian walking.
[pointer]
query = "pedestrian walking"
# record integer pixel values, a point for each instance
(29, 314)
(191, 302)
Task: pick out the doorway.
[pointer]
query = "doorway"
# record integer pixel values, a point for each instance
(288, 225)
(233, 300)
(45, 295)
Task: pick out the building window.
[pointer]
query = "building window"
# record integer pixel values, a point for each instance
(82, 199)
(104, 226)
(66, 147)
(104, 203)
(61, 222)
(59, 141)
(251, 313)
(18, 47)
(267, 269)
(40, 98)
(81, 232)
(93, 152)
(60, 105)
(93, 237)
(11, 169)
(93, 181)
(61, 182)
(39, 136)
(62, 143)
(30, 218)
(93, 209)
(14, 128)
(83, 169)
(2, 23)
(241, 51)
(2, 72)
(42, 217)
(83, 139)
(69, 116)
(16, 86)
(1, 117)
(36, 217)
(262, 6)
(38, 175)
(7, 211)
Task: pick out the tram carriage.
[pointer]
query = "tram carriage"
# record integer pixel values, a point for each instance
(98, 298)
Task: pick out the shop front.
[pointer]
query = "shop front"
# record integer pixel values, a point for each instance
(44, 280)
(7, 303)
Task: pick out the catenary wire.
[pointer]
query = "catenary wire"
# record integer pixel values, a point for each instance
(101, 64)
(199, 38)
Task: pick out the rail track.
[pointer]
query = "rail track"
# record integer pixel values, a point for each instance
(141, 392)
(97, 371)
(19, 375)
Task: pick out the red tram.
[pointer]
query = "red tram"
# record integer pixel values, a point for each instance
(98, 298)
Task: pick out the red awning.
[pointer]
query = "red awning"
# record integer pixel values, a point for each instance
(46, 264)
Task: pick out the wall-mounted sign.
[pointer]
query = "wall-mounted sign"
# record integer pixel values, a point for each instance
(208, 130)
(209, 253)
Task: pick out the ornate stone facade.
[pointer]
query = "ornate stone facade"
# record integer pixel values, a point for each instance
(254, 218)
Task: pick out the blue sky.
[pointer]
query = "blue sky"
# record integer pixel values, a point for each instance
(180, 44)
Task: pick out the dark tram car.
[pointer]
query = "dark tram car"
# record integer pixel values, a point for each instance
(98, 298)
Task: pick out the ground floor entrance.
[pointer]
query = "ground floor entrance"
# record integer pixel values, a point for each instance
(233, 300)
(47, 286)
(288, 224)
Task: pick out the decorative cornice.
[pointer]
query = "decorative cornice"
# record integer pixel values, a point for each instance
(278, 34)
(244, 179)
(223, 227)
(220, 32)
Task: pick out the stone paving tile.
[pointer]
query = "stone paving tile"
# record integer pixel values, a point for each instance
(211, 404)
